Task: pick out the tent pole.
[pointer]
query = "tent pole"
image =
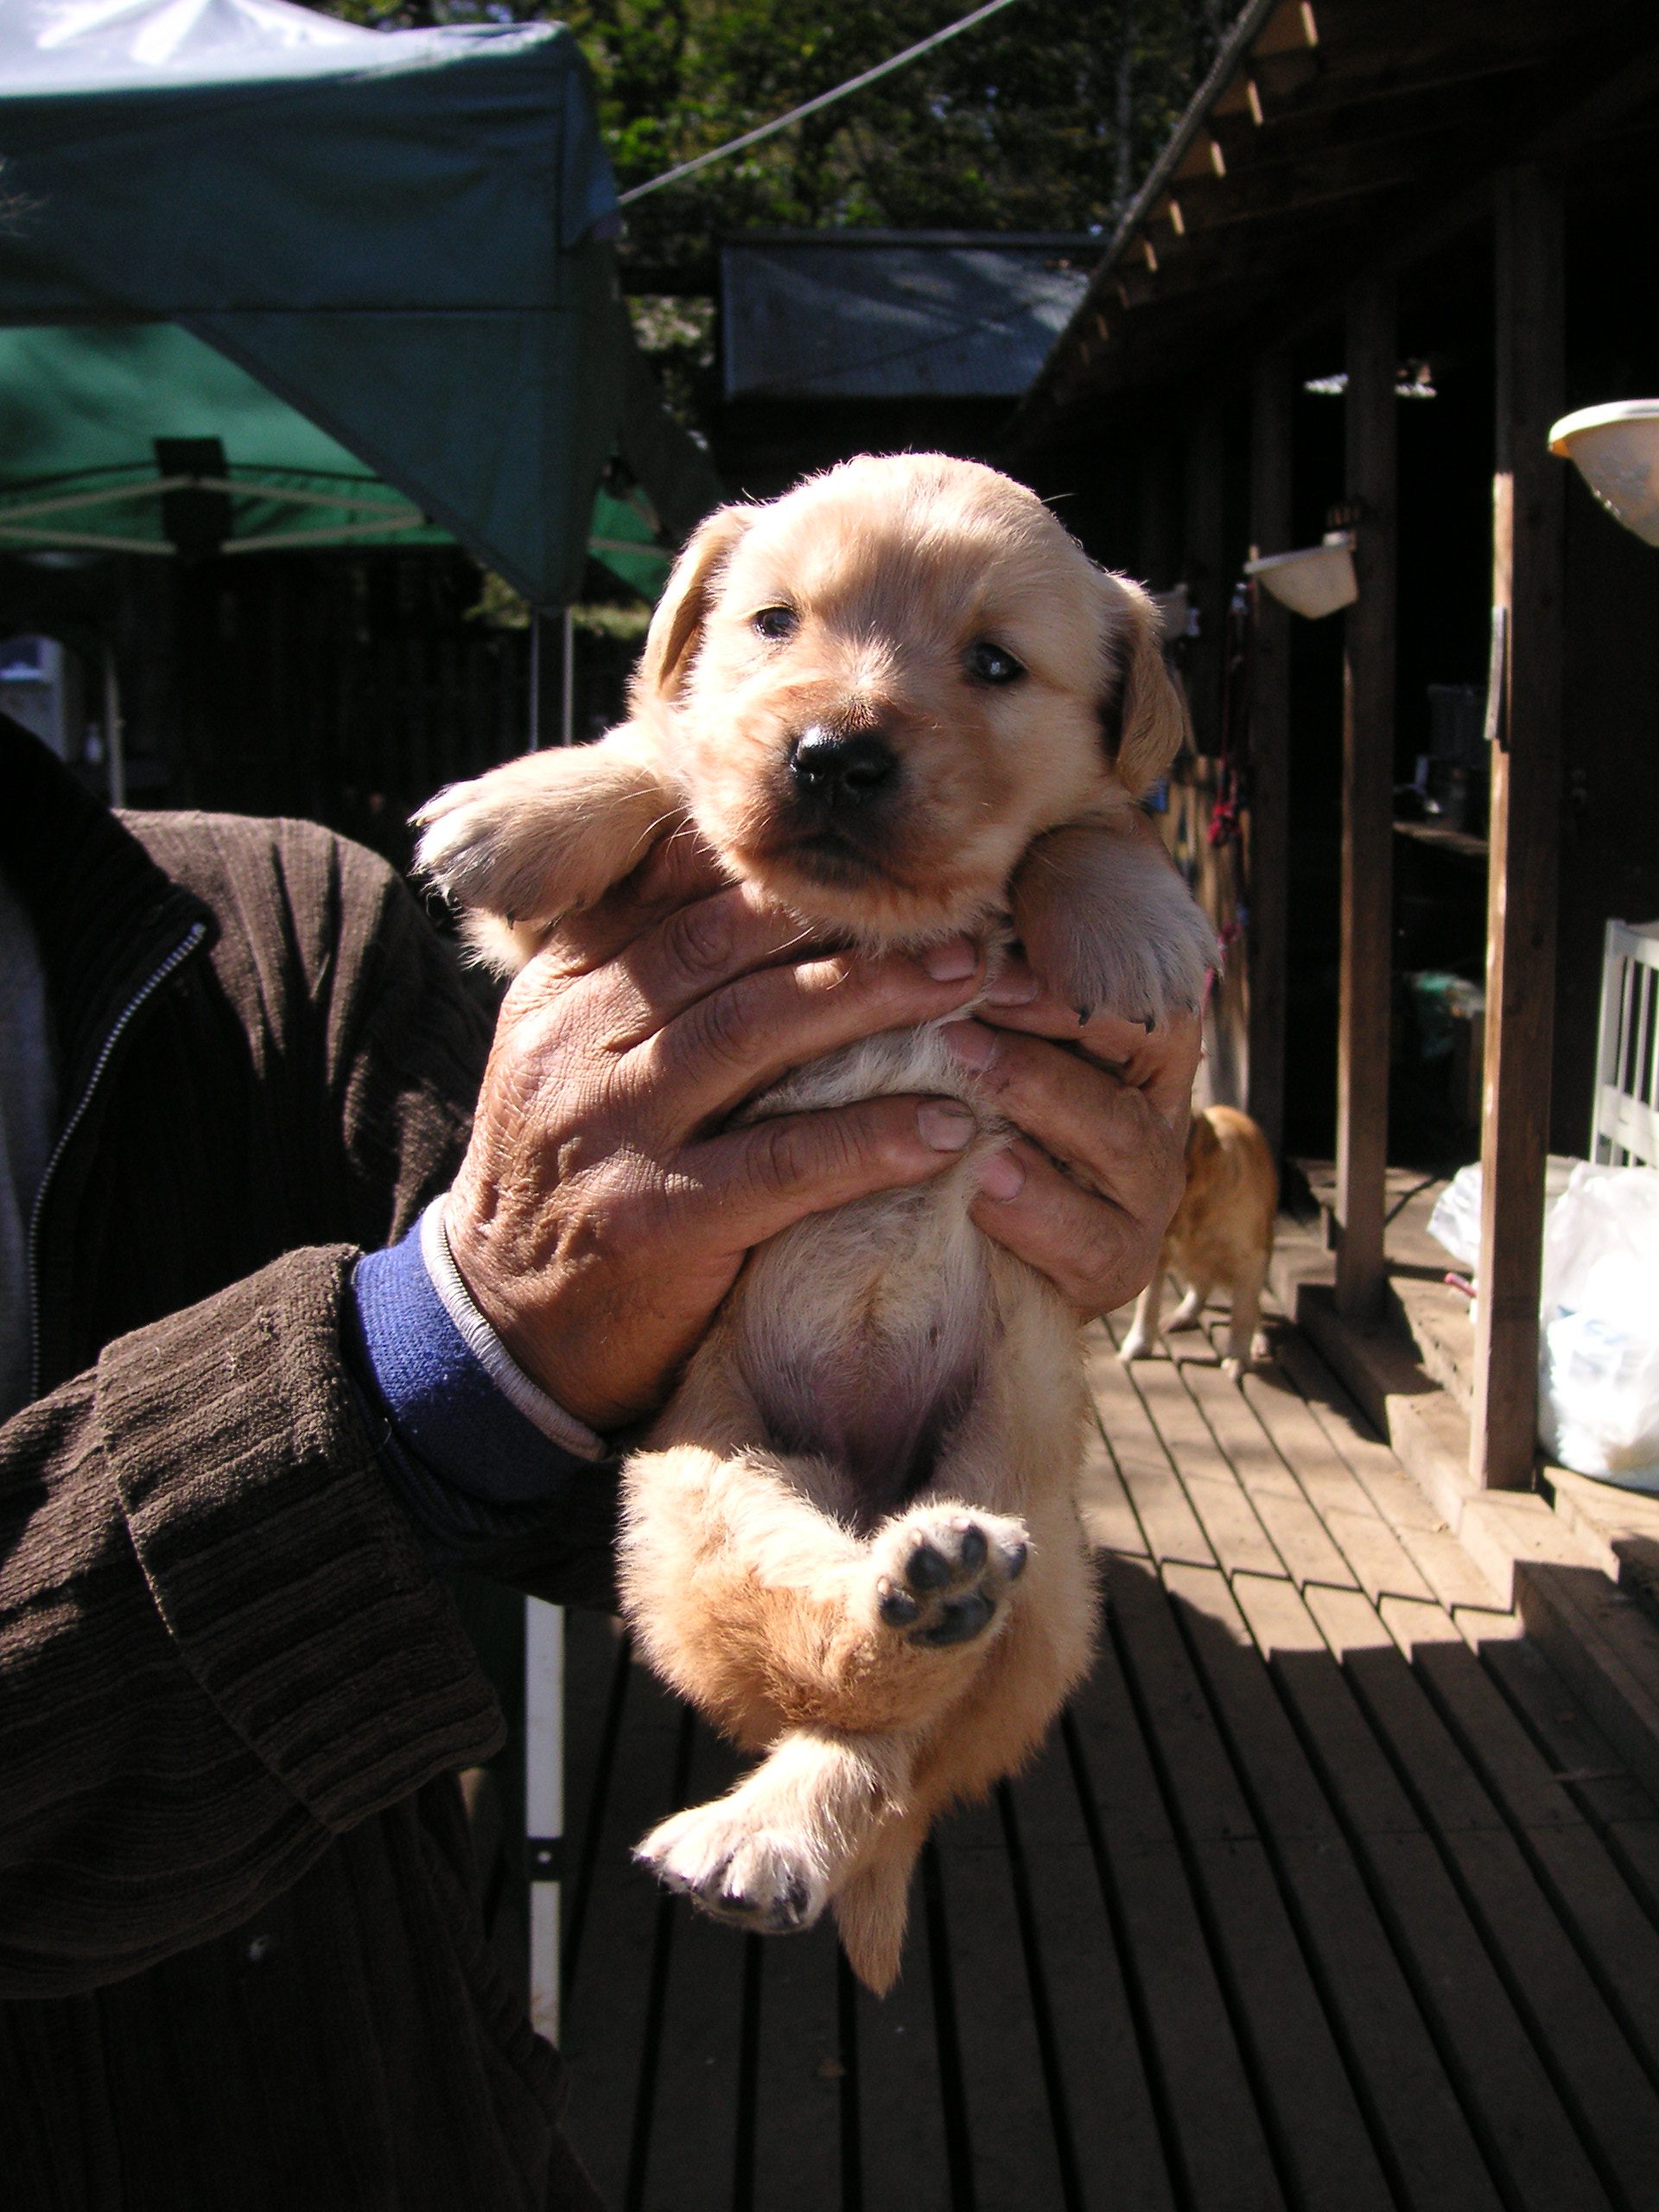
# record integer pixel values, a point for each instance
(115, 753)
(544, 1802)
(567, 682)
(535, 679)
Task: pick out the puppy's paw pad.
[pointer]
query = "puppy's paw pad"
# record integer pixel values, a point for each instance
(764, 1879)
(941, 1577)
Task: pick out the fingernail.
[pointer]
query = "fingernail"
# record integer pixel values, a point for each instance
(1015, 985)
(945, 1125)
(1000, 1175)
(950, 961)
(970, 1042)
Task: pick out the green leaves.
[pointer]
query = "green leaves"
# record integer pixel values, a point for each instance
(1013, 126)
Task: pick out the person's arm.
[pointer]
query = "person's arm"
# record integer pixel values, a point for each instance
(220, 1641)
(219, 1644)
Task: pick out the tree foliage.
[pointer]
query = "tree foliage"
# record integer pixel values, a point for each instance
(1041, 119)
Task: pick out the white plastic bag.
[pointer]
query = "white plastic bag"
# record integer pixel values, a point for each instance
(1599, 1344)
(1455, 1221)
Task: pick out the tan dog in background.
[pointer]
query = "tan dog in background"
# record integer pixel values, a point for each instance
(904, 702)
(1221, 1237)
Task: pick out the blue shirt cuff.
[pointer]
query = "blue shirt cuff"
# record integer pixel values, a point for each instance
(446, 1408)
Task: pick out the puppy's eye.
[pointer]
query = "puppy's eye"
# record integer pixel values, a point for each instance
(989, 663)
(775, 623)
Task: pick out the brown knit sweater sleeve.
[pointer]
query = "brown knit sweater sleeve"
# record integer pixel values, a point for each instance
(218, 1644)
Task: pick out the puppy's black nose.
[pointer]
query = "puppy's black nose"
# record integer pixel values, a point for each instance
(849, 765)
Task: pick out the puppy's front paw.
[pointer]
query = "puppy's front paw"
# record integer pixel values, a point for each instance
(484, 843)
(547, 835)
(1110, 927)
(943, 1575)
(762, 1879)
(1135, 1345)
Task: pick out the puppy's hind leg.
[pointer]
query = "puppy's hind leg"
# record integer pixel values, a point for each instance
(770, 1614)
(792, 1632)
(768, 1855)
(1001, 1719)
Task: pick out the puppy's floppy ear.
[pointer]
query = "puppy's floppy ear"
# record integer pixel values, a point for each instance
(681, 611)
(1147, 710)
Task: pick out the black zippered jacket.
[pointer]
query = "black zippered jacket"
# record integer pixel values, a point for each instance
(241, 1957)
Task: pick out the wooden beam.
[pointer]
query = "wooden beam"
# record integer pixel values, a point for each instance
(1525, 722)
(1291, 27)
(1273, 388)
(1368, 672)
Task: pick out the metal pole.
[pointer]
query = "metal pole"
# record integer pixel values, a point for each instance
(115, 751)
(544, 1802)
(567, 682)
(535, 679)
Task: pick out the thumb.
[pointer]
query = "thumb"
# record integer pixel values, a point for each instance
(772, 1173)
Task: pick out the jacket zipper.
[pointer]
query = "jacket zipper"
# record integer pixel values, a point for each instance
(180, 953)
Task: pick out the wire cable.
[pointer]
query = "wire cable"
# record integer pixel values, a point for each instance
(811, 107)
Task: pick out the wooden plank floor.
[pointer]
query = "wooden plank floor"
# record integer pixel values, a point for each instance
(1325, 1896)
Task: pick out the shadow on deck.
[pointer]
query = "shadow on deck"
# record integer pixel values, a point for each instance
(1327, 1895)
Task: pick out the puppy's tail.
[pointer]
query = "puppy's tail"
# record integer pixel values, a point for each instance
(873, 1908)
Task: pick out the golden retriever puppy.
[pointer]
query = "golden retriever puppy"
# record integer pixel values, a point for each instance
(1221, 1237)
(903, 702)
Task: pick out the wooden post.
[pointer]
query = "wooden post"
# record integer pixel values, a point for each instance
(1367, 805)
(1206, 574)
(1524, 722)
(1272, 391)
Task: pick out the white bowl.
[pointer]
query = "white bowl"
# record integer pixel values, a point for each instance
(1315, 580)
(1615, 450)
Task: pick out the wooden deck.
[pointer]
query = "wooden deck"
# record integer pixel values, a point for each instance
(1327, 1896)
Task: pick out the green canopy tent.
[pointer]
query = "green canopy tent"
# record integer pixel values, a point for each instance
(274, 280)
(401, 236)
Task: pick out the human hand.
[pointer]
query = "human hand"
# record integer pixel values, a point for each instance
(602, 1212)
(1112, 1100)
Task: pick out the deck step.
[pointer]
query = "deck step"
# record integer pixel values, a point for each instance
(1548, 1557)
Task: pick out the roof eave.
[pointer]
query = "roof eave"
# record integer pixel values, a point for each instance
(1234, 49)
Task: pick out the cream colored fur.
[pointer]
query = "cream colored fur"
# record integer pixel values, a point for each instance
(1220, 1238)
(852, 1535)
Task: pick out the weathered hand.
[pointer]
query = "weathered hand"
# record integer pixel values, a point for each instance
(602, 1211)
(1121, 1125)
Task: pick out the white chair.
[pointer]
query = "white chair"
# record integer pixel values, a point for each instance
(1625, 1119)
